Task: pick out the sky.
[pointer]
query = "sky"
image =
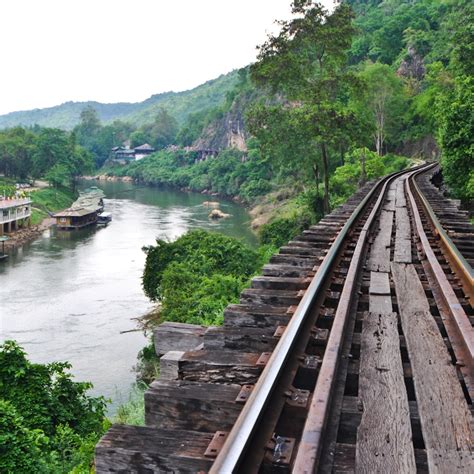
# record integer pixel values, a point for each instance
(53, 51)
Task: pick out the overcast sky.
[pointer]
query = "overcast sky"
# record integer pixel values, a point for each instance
(53, 51)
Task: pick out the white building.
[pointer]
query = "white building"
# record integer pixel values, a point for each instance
(14, 214)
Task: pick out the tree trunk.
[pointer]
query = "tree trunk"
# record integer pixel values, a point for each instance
(326, 178)
(316, 177)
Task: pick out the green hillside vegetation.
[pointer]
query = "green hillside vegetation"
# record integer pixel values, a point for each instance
(66, 116)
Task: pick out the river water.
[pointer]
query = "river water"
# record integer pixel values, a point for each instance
(71, 295)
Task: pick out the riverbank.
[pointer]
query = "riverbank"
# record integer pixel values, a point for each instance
(44, 202)
(22, 236)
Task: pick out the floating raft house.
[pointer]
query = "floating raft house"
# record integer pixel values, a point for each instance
(84, 210)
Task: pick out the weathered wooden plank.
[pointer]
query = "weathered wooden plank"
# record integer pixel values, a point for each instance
(280, 283)
(400, 199)
(282, 298)
(379, 283)
(261, 316)
(445, 418)
(300, 249)
(402, 224)
(216, 366)
(191, 405)
(344, 459)
(291, 271)
(380, 303)
(170, 336)
(384, 436)
(240, 339)
(169, 365)
(402, 253)
(140, 449)
(294, 260)
(389, 203)
(379, 260)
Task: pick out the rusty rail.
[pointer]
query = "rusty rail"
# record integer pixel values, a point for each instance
(234, 448)
(459, 328)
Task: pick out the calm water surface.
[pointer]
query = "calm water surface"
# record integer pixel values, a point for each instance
(70, 295)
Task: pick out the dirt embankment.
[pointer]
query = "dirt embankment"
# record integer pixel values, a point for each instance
(22, 236)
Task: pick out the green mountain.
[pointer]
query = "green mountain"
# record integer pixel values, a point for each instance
(179, 104)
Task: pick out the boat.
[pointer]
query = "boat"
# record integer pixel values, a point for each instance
(83, 212)
(104, 218)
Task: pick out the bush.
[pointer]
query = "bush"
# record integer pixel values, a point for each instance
(198, 275)
(45, 417)
(20, 447)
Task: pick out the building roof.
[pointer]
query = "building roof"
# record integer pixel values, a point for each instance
(6, 203)
(144, 147)
(77, 212)
(89, 201)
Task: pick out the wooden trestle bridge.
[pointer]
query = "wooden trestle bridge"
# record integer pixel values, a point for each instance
(352, 353)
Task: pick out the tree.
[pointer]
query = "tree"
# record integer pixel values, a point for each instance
(160, 133)
(383, 100)
(16, 151)
(305, 67)
(456, 130)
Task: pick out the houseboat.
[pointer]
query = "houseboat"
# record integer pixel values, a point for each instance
(83, 212)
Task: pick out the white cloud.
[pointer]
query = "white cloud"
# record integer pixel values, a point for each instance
(124, 50)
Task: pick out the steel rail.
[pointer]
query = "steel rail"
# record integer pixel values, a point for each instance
(461, 266)
(307, 458)
(457, 315)
(236, 443)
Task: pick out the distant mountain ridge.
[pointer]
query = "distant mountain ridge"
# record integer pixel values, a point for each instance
(179, 104)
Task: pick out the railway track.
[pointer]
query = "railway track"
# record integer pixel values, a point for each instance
(353, 352)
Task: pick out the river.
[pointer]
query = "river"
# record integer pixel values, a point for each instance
(70, 296)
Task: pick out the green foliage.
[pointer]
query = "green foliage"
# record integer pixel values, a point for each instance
(99, 139)
(160, 133)
(385, 27)
(306, 63)
(456, 131)
(45, 417)
(198, 275)
(280, 231)
(347, 178)
(52, 199)
(16, 152)
(52, 152)
(383, 101)
(227, 174)
(21, 448)
(132, 412)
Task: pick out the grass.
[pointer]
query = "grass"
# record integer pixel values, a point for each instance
(132, 412)
(37, 216)
(52, 199)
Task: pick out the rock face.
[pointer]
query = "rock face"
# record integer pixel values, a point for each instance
(217, 214)
(412, 66)
(227, 132)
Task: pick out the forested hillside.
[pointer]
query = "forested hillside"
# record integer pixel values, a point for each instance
(331, 92)
(66, 116)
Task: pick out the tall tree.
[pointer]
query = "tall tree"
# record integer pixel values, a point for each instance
(383, 101)
(305, 66)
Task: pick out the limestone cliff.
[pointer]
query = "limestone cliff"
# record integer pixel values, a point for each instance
(226, 132)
